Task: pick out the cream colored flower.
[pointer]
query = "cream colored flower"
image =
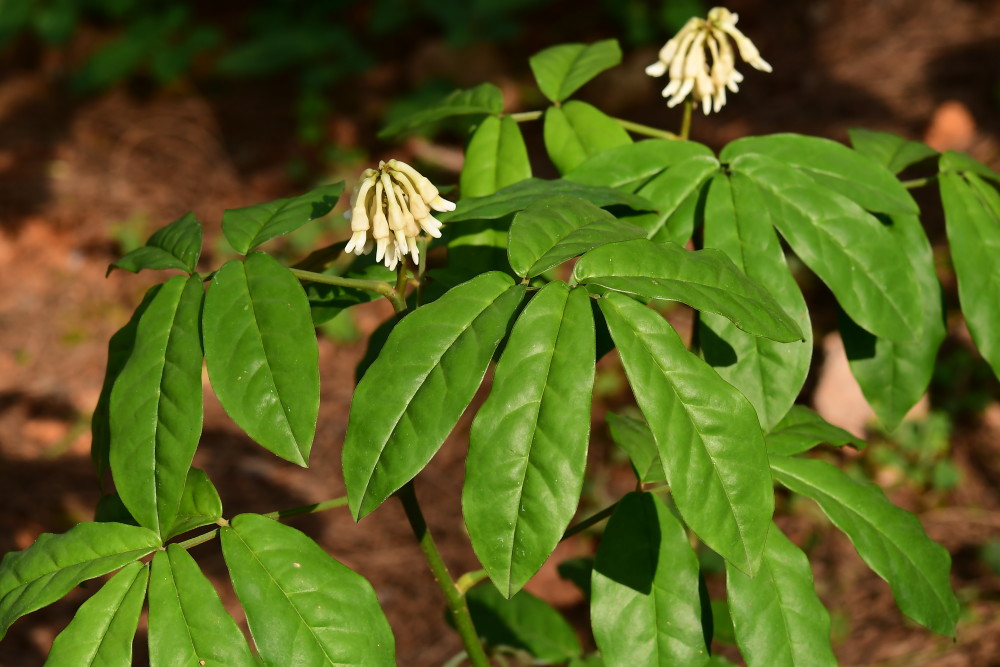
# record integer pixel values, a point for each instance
(394, 203)
(701, 63)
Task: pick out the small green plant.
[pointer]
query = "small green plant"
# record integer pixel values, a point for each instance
(545, 277)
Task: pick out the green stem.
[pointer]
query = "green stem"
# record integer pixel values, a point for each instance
(399, 302)
(686, 120)
(523, 116)
(918, 182)
(456, 601)
(639, 128)
(470, 579)
(421, 266)
(381, 287)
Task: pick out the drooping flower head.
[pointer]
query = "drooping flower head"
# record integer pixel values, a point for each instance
(394, 203)
(701, 63)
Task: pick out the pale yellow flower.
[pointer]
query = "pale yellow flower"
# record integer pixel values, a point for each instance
(701, 63)
(394, 203)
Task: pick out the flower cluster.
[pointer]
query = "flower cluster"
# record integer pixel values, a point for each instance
(394, 202)
(686, 59)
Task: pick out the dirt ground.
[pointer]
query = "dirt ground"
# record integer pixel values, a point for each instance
(78, 177)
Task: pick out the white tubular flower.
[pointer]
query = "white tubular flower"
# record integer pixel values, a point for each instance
(701, 63)
(394, 203)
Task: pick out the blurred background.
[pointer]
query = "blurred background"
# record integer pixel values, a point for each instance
(118, 116)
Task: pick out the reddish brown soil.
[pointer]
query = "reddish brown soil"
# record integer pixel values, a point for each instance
(71, 171)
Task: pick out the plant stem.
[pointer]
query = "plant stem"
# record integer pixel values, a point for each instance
(523, 116)
(456, 601)
(399, 300)
(918, 182)
(470, 579)
(421, 266)
(378, 286)
(639, 128)
(686, 120)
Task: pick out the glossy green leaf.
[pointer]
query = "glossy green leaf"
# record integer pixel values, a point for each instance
(972, 216)
(524, 623)
(705, 280)
(483, 99)
(528, 444)
(777, 616)
(637, 440)
(891, 151)
(187, 623)
(802, 429)
(156, 406)
(952, 161)
(119, 350)
(246, 228)
(645, 606)
(522, 194)
(52, 566)
(770, 374)
(302, 606)
(676, 194)
(200, 504)
(707, 434)
(890, 540)
(893, 376)
(104, 626)
(631, 166)
(327, 301)
(561, 70)
(576, 131)
(423, 379)
(832, 165)
(175, 246)
(550, 231)
(495, 158)
(261, 353)
(848, 248)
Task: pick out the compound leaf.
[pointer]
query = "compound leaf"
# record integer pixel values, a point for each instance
(707, 433)
(561, 70)
(156, 406)
(261, 353)
(302, 606)
(528, 444)
(630, 166)
(645, 605)
(891, 151)
(424, 377)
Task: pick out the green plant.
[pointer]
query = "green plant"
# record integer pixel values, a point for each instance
(720, 425)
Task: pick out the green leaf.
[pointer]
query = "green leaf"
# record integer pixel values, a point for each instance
(261, 352)
(893, 376)
(576, 131)
(246, 228)
(675, 194)
(528, 444)
(972, 218)
(770, 374)
(835, 166)
(632, 165)
(550, 231)
(496, 157)
(52, 566)
(187, 623)
(104, 626)
(704, 279)
(777, 616)
(522, 194)
(156, 406)
(328, 301)
(176, 246)
(423, 379)
(952, 161)
(561, 70)
(645, 604)
(637, 440)
(302, 606)
(890, 540)
(200, 504)
(891, 151)
(707, 434)
(119, 350)
(111, 509)
(483, 99)
(845, 246)
(523, 622)
(802, 429)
